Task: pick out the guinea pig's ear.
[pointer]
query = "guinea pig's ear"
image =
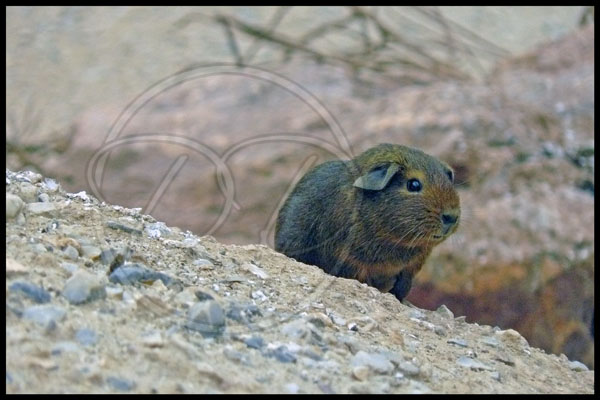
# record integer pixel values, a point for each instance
(377, 178)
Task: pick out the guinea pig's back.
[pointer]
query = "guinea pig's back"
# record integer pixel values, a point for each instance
(312, 203)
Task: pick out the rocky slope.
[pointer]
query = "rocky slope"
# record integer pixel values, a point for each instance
(101, 298)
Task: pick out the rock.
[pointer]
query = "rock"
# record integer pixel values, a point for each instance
(206, 317)
(114, 291)
(297, 329)
(243, 313)
(69, 267)
(510, 336)
(131, 273)
(203, 295)
(153, 339)
(46, 315)
(13, 267)
(255, 270)
(360, 372)
(351, 343)
(504, 358)
(91, 252)
(50, 185)
(282, 354)
(292, 388)
(577, 366)
(34, 292)
(445, 312)
(376, 362)
(38, 208)
(203, 264)
(475, 365)
(490, 341)
(83, 287)
(439, 330)
(65, 347)
(153, 304)
(44, 198)
(236, 356)
(121, 384)
(125, 228)
(86, 337)
(409, 369)
(28, 192)
(255, 342)
(458, 342)
(71, 252)
(14, 204)
(157, 230)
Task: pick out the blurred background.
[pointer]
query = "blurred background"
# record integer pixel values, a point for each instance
(248, 98)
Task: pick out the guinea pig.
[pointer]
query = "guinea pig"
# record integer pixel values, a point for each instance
(374, 218)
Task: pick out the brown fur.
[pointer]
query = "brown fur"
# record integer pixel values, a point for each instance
(373, 229)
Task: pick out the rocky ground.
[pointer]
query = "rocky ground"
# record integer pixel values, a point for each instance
(101, 298)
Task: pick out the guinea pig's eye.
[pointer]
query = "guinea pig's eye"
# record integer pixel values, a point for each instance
(414, 185)
(450, 175)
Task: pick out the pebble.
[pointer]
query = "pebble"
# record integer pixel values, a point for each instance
(69, 267)
(44, 198)
(578, 366)
(157, 230)
(64, 347)
(127, 229)
(258, 295)
(13, 267)
(510, 336)
(86, 337)
(504, 358)
(46, 315)
(490, 341)
(360, 372)
(34, 292)
(39, 248)
(282, 354)
(203, 295)
(336, 319)
(351, 343)
(439, 330)
(91, 252)
(235, 355)
(121, 384)
(71, 252)
(203, 264)
(83, 287)
(206, 317)
(292, 388)
(39, 208)
(50, 185)
(254, 269)
(297, 329)
(408, 368)
(445, 312)
(458, 342)
(28, 192)
(255, 342)
(14, 204)
(153, 339)
(243, 313)
(376, 362)
(132, 273)
(475, 365)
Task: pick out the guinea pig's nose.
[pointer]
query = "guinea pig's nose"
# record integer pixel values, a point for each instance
(448, 220)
